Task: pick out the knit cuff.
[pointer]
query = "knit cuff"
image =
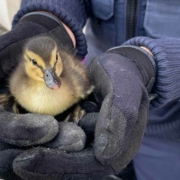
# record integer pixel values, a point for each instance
(60, 10)
(167, 56)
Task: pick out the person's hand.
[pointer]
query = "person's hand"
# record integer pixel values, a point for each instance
(16, 129)
(121, 78)
(70, 138)
(25, 130)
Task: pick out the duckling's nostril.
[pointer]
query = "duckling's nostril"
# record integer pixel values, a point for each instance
(47, 75)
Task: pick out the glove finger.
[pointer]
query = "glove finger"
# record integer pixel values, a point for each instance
(111, 124)
(26, 129)
(7, 155)
(111, 145)
(88, 123)
(133, 141)
(54, 164)
(121, 93)
(110, 135)
(70, 138)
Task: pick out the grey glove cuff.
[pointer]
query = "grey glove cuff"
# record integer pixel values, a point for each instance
(144, 61)
(52, 24)
(149, 56)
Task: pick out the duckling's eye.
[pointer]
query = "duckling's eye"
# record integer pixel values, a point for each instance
(34, 62)
(56, 57)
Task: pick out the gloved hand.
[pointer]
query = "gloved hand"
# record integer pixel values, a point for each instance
(121, 78)
(25, 129)
(70, 138)
(16, 129)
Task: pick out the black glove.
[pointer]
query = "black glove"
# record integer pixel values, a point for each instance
(119, 130)
(7, 155)
(70, 138)
(16, 129)
(120, 88)
(25, 129)
(21, 130)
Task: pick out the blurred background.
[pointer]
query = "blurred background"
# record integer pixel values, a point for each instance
(8, 9)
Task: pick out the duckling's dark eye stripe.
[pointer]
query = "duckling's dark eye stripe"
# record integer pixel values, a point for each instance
(56, 61)
(36, 64)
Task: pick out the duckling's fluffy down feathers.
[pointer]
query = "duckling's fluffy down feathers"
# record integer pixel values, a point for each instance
(33, 93)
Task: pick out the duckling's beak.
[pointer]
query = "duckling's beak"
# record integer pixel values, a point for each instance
(51, 79)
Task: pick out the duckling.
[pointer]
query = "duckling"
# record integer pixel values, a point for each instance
(48, 80)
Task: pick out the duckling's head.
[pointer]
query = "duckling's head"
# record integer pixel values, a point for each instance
(42, 61)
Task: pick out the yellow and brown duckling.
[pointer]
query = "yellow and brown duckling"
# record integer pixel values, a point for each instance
(48, 80)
